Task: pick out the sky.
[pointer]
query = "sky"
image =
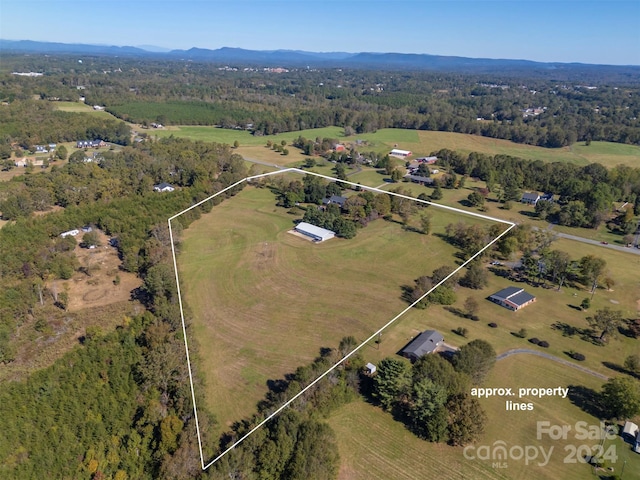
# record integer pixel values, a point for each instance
(601, 32)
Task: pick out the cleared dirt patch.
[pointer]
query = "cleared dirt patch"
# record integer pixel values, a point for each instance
(97, 284)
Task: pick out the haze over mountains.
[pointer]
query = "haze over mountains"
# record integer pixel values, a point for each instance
(303, 59)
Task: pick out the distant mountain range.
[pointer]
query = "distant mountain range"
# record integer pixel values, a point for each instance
(302, 59)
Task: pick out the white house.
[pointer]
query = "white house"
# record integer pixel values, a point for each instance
(163, 187)
(72, 233)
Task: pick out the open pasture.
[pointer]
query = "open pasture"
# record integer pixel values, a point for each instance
(265, 301)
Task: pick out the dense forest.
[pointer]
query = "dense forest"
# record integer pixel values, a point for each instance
(544, 112)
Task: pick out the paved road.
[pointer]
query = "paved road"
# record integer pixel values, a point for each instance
(518, 351)
(576, 238)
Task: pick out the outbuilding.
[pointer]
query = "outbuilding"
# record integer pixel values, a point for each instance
(396, 152)
(316, 233)
(370, 368)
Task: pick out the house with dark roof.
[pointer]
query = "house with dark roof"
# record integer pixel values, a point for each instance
(530, 197)
(419, 179)
(427, 160)
(547, 197)
(338, 200)
(425, 343)
(513, 298)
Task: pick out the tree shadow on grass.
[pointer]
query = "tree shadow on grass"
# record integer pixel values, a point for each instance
(529, 214)
(457, 312)
(587, 399)
(620, 369)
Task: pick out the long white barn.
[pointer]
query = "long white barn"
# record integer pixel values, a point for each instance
(317, 233)
(396, 152)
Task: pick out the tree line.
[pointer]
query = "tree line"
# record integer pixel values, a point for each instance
(585, 194)
(54, 126)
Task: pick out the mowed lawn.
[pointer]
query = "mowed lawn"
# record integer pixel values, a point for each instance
(374, 446)
(265, 301)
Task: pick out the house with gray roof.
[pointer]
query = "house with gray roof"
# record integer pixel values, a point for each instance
(513, 298)
(425, 343)
(338, 200)
(419, 179)
(530, 197)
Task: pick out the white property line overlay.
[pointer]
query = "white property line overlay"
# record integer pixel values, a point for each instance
(378, 332)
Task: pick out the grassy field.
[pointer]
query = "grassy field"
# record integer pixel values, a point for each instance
(245, 138)
(78, 107)
(251, 285)
(424, 142)
(550, 307)
(266, 155)
(374, 446)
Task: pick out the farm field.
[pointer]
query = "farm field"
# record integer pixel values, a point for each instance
(264, 154)
(374, 446)
(78, 107)
(422, 142)
(265, 301)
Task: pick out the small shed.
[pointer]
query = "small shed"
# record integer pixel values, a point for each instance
(370, 368)
(630, 429)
